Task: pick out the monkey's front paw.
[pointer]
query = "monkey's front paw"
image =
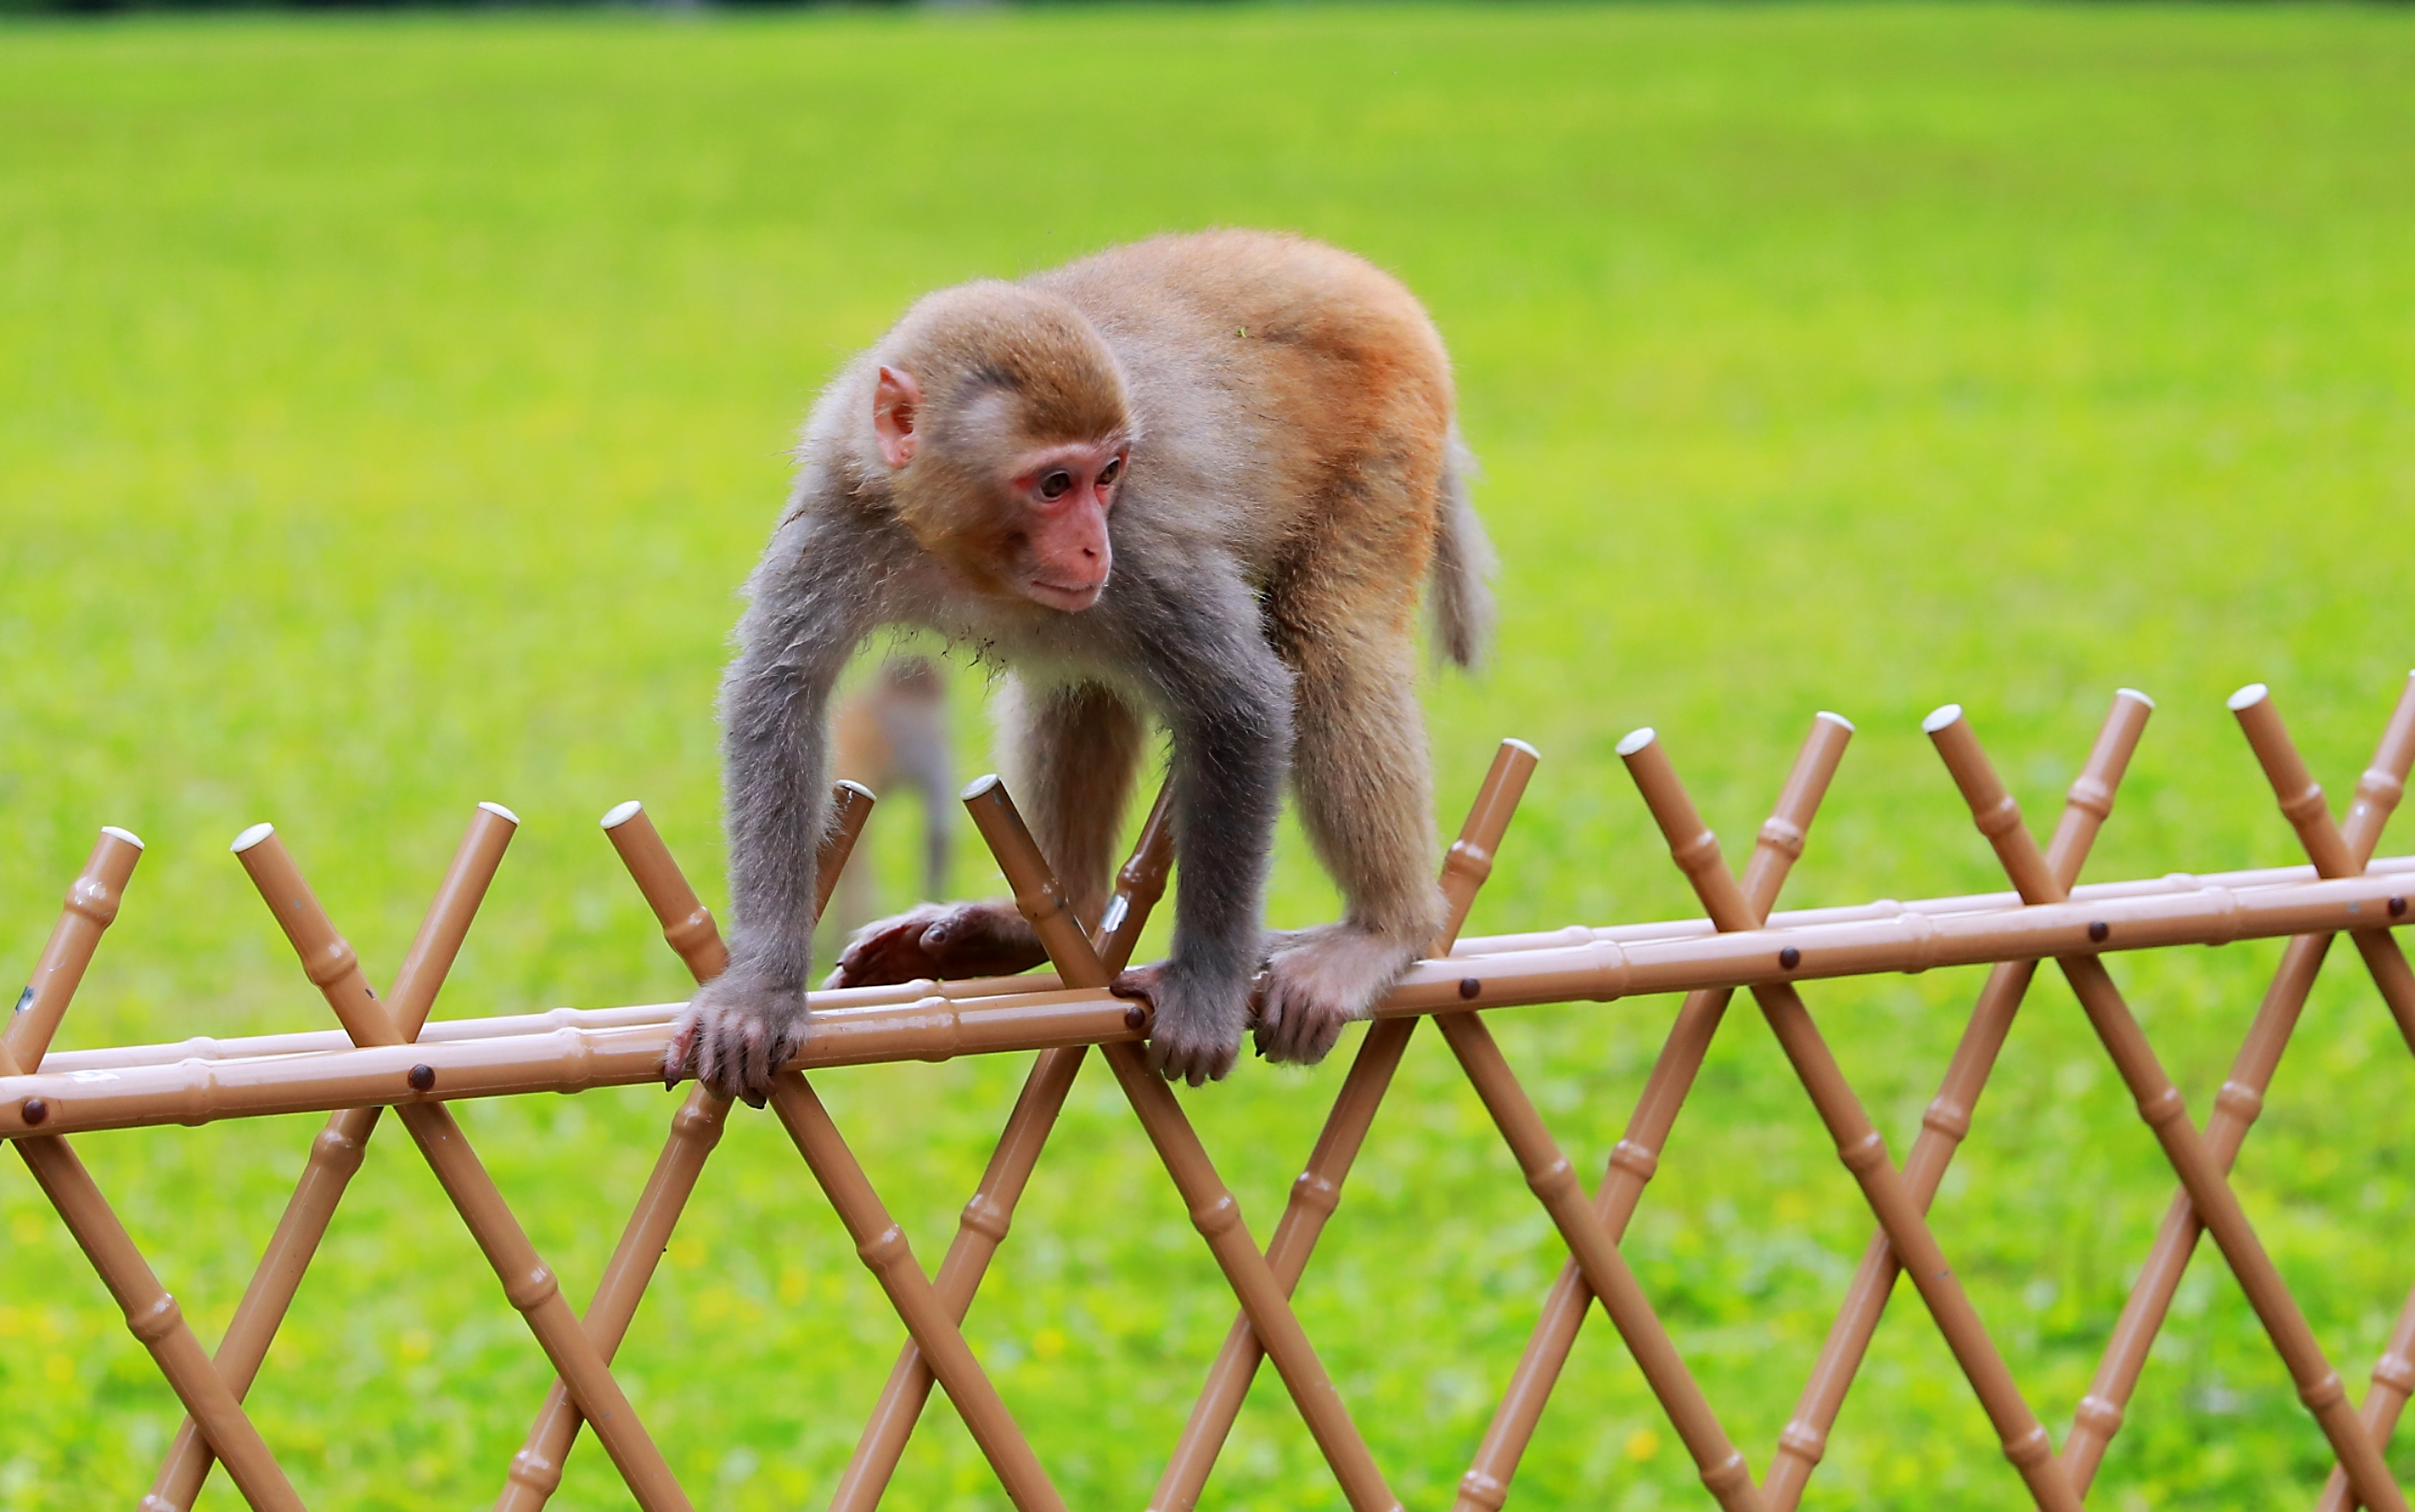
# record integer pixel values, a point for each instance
(735, 1034)
(1319, 980)
(944, 940)
(1194, 1026)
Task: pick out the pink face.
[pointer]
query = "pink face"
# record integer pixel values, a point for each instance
(1066, 491)
(1056, 547)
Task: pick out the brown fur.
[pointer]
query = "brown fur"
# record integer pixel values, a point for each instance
(1293, 481)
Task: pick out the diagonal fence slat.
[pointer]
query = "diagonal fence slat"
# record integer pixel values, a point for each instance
(1139, 884)
(151, 1314)
(880, 1242)
(2341, 852)
(336, 1154)
(535, 1471)
(529, 1284)
(1555, 1182)
(1947, 1120)
(91, 906)
(1213, 1210)
(2165, 1111)
(1318, 1188)
(891, 1259)
(1637, 1156)
(1859, 1145)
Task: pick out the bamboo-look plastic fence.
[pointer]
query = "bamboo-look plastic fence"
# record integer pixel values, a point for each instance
(387, 1054)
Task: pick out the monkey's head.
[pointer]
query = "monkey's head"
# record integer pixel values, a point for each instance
(1003, 423)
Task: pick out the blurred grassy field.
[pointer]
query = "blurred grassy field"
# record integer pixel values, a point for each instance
(388, 407)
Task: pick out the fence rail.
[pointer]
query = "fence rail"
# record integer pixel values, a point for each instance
(388, 1055)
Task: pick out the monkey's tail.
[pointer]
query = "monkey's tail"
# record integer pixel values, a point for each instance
(1460, 597)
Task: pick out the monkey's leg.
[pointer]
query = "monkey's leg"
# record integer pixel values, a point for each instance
(1359, 769)
(1076, 748)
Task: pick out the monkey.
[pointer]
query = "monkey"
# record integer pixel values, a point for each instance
(896, 731)
(1201, 479)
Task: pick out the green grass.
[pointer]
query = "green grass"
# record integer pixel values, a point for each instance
(388, 407)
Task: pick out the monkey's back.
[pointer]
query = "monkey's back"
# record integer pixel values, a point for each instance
(1291, 397)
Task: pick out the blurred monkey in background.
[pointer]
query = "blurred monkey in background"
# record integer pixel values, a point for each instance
(893, 734)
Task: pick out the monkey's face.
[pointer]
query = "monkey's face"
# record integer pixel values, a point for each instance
(1056, 545)
(1016, 509)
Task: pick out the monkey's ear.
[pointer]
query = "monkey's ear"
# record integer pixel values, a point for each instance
(896, 400)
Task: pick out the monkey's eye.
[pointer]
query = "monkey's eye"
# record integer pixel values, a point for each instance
(1109, 473)
(1056, 485)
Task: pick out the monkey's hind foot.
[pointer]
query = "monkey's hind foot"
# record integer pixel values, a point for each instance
(1319, 980)
(946, 941)
(735, 1034)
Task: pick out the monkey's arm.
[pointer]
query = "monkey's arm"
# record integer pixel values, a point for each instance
(1227, 701)
(813, 600)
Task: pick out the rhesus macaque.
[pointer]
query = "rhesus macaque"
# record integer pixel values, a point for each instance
(895, 732)
(1199, 478)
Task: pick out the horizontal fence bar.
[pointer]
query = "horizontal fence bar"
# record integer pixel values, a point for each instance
(938, 1025)
(970, 989)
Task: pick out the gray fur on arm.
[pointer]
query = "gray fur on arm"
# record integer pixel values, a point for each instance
(813, 601)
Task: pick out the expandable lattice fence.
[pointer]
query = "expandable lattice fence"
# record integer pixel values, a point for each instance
(388, 1055)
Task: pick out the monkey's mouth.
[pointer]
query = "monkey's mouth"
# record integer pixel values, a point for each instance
(1062, 596)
